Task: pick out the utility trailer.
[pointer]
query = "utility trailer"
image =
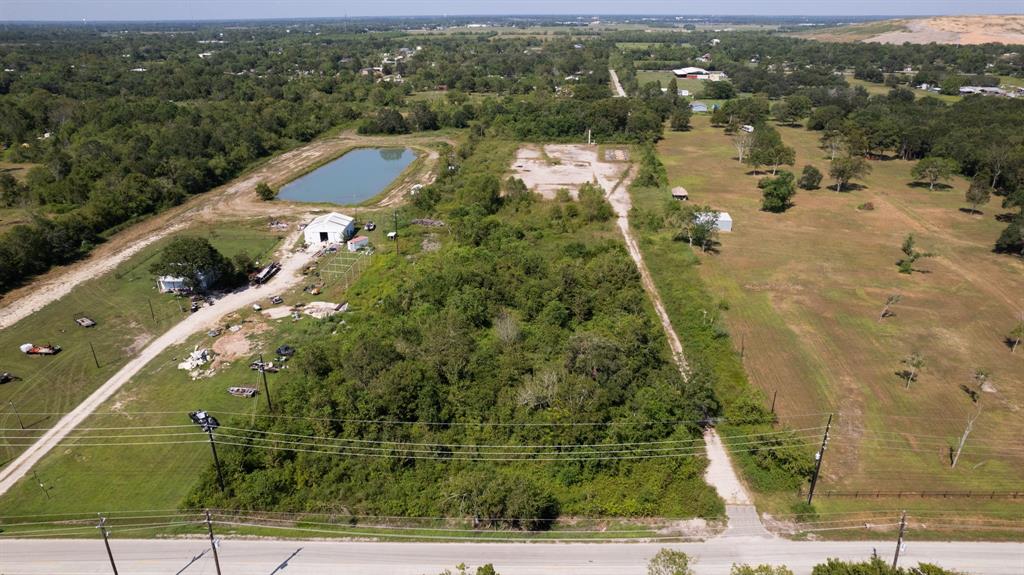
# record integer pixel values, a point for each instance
(30, 349)
(263, 276)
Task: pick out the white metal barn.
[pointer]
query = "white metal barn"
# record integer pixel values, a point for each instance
(332, 228)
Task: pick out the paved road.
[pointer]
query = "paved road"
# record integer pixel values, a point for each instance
(204, 319)
(619, 92)
(265, 557)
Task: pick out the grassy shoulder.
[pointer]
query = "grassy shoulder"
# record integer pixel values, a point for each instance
(129, 313)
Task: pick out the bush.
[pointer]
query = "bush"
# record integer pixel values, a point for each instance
(777, 192)
(810, 178)
(265, 192)
(669, 562)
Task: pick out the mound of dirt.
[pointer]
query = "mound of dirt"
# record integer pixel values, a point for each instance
(1006, 29)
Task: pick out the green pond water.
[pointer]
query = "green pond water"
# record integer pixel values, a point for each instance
(353, 178)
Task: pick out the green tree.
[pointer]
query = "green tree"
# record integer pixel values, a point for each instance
(933, 169)
(810, 178)
(769, 150)
(680, 119)
(777, 193)
(979, 193)
(910, 255)
(876, 566)
(422, 118)
(669, 562)
(194, 259)
(1011, 241)
(699, 226)
(914, 363)
(593, 205)
(847, 168)
(723, 90)
(265, 192)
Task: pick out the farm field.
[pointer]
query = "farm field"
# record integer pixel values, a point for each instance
(119, 303)
(803, 291)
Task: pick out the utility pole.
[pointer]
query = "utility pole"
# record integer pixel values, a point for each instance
(213, 544)
(963, 438)
(94, 358)
(103, 531)
(16, 414)
(152, 314)
(775, 394)
(216, 460)
(266, 388)
(180, 309)
(818, 457)
(41, 485)
(899, 539)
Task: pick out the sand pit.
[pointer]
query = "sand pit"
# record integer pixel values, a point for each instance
(547, 169)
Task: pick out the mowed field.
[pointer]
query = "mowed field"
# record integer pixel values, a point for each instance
(120, 304)
(804, 291)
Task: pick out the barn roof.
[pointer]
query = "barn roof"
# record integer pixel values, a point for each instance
(333, 218)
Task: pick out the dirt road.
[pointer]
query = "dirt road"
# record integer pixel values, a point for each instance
(204, 319)
(720, 474)
(234, 200)
(619, 92)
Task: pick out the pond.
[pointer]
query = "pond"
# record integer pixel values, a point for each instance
(353, 178)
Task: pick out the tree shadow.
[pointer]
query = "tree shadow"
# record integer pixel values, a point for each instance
(850, 187)
(938, 187)
(1005, 217)
(971, 211)
(905, 374)
(1010, 342)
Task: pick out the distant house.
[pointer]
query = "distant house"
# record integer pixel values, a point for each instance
(357, 243)
(332, 227)
(695, 73)
(698, 107)
(689, 72)
(683, 93)
(680, 193)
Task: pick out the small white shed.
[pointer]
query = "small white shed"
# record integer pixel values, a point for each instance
(332, 228)
(724, 222)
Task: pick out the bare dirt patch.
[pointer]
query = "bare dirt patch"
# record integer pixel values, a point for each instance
(547, 169)
(233, 345)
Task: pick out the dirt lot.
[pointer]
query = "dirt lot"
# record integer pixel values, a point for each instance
(805, 289)
(547, 169)
(964, 30)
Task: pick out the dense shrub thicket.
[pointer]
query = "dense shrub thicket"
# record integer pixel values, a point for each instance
(530, 327)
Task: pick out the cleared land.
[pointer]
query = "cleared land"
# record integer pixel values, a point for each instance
(119, 302)
(963, 30)
(804, 290)
(549, 168)
(234, 200)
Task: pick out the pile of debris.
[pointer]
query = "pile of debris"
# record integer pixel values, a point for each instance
(29, 349)
(323, 309)
(198, 358)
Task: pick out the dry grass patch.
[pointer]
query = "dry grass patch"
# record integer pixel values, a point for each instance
(805, 289)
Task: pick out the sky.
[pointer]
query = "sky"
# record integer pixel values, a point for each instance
(96, 10)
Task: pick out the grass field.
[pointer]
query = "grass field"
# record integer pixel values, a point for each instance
(119, 302)
(804, 290)
(664, 76)
(882, 90)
